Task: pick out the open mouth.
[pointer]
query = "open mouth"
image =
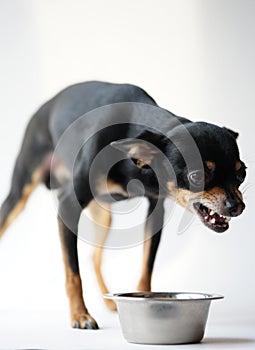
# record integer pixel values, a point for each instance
(211, 219)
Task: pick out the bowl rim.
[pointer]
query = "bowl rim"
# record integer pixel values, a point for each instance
(162, 296)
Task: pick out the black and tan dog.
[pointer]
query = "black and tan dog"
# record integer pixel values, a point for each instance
(152, 147)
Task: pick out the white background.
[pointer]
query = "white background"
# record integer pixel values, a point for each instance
(196, 58)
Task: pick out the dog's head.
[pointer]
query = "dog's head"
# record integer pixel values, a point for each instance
(211, 190)
(198, 165)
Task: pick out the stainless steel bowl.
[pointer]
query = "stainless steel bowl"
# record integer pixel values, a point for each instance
(163, 318)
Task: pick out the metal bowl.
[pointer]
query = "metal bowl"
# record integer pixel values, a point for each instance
(163, 318)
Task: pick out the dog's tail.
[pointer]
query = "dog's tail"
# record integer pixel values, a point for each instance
(28, 171)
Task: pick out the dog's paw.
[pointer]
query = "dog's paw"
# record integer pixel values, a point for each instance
(83, 321)
(110, 304)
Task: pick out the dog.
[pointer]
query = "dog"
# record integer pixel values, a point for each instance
(195, 163)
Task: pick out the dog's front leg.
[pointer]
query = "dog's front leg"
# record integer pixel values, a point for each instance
(153, 229)
(68, 219)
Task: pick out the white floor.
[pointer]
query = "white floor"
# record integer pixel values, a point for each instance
(20, 329)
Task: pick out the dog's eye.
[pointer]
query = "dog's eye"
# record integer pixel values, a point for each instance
(196, 177)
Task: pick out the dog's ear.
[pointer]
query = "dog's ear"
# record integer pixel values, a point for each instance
(233, 133)
(143, 148)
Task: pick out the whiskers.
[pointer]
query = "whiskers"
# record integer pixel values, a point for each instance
(246, 187)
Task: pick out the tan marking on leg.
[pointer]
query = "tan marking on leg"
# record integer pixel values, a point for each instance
(106, 186)
(101, 214)
(28, 189)
(78, 311)
(144, 284)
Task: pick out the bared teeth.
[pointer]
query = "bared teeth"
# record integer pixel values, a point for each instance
(210, 216)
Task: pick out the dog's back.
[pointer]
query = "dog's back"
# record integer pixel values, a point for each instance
(44, 130)
(79, 99)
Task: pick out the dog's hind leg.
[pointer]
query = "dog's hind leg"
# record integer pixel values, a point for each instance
(28, 171)
(153, 229)
(22, 187)
(101, 215)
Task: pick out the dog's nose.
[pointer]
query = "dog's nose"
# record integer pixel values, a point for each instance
(233, 207)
